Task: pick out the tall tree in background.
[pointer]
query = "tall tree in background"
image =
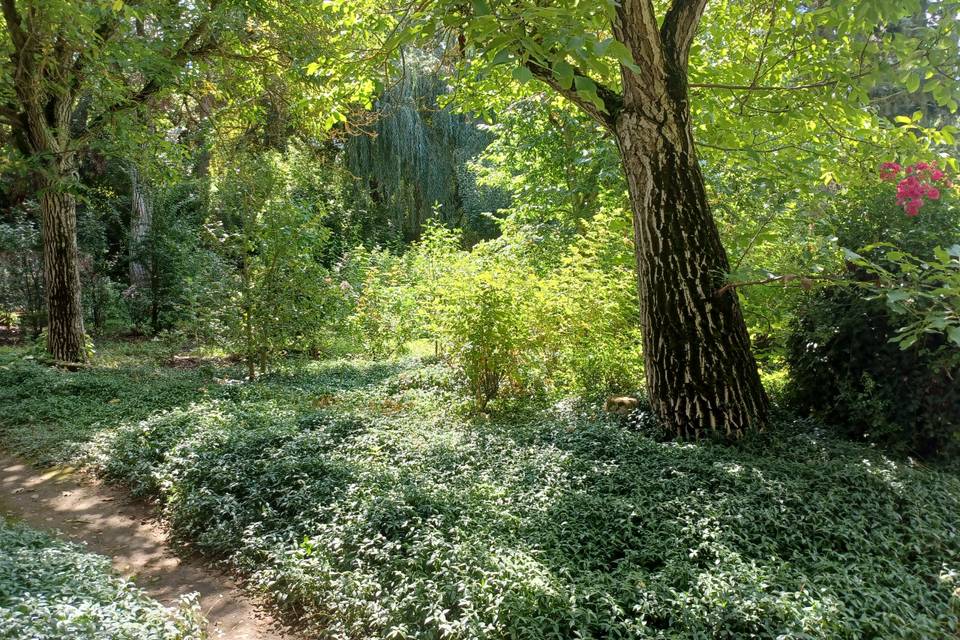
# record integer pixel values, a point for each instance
(412, 164)
(77, 69)
(141, 220)
(627, 67)
(60, 51)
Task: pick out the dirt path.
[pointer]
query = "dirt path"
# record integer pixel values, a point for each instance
(115, 526)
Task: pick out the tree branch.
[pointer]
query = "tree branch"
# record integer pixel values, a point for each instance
(14, 25)
(680, 27)
(806, 282)
(185, 52)
(768, 88)
(612, 101)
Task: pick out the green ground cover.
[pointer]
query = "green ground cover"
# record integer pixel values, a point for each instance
(366, 500)
(55, 590)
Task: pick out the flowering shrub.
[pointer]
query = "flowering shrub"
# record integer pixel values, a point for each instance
(919, 183)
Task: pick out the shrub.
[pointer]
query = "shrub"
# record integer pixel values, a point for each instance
(268, 225)
(875, 358)
(480, 318)
(590, 311)
(383, 317)
(513, 324)
(21, 272)
(846, 369)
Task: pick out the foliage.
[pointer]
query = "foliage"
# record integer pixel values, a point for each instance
(482, 316)
(383, 317)
(846, 368)
(361, 498)
(556, 165)
(856, 351)
(267, 225)
(21, 274)
(514, 318)
(73, 406)
(413, 165)
(926, 291)
(589, 311)
(51, 589)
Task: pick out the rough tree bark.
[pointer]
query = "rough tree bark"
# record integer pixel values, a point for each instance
(61, 272)
(141, 219)
(701, 376)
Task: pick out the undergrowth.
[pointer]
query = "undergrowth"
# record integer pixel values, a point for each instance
(368, 502)
(54, 590)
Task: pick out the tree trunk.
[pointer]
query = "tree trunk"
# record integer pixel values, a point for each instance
(141, 219)
(61, 272)
(701, 377)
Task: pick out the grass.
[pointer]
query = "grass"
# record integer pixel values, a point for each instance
(50, 589)
(367, 502)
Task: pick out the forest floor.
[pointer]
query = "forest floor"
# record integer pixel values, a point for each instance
(108, 522)
(369, 499)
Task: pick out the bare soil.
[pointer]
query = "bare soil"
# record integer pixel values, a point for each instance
(112, 524)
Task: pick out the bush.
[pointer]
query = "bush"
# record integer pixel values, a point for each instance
(52, 590)
(21, 272)
(383, 317)
(845, 368)
(388, 513)
(590, 312)
(874, 358)
(482, 318)
(268, 225)
(512, 321)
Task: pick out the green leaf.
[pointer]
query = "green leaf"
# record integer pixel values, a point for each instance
(897, 295)
(563, 72)
(480, 7)
(912, 82)
(588, 90)
(852, 256)
(522, 74)
(953, 333)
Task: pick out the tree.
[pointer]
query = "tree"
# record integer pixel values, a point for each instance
(141, 221)
(78, 71)
(700, 375)
(60, 53)
(628, 69)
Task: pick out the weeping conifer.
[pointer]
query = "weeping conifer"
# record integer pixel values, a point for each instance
(415, 157)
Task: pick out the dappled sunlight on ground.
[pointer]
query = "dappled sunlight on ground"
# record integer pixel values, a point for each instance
(110, 524)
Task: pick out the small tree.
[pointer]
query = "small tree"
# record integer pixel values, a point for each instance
(269, 228)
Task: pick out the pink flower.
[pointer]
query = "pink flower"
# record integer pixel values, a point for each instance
(889, 170)
(917, 185)
(913, 207)
(909, 188)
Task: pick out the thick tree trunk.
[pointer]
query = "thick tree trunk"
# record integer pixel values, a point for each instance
(141, 219)
(701, 376)
(61, 272)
